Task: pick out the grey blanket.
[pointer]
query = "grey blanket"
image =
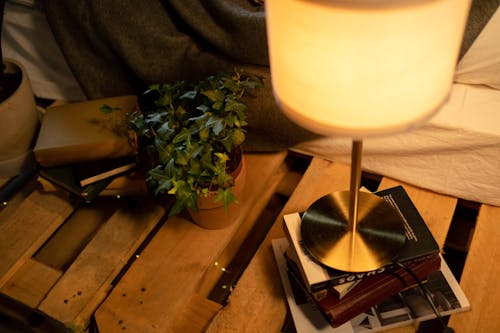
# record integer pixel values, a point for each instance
(118, 47)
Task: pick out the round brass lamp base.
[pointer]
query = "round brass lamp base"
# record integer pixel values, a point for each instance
(327, 234)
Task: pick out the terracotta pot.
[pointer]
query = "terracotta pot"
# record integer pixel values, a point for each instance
(18, 125)
(213, 215)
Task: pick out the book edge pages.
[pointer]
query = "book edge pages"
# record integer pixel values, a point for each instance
(311, 271)
(106, 174)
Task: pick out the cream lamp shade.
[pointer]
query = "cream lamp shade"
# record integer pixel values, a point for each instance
(363, 67)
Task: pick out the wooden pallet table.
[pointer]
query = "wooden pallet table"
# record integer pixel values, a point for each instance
(130, 269)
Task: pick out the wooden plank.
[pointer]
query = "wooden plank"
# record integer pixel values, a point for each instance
(31, 283)
(3, 181)
(88, 280)
(197, 313)
(21, 234)
(160, 284)
(479, 279)
(214, 272)
(436, 209)
(256, 304)
(70, 239)
(8, 207)
(27, 319)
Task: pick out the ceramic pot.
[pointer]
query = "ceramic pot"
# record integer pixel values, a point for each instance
(213, 215)
(18, 125)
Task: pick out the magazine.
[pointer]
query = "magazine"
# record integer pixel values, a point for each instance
(404, 308)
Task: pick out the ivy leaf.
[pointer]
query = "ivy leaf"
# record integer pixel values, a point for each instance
(233, 105)
(237, 137)
(216, 96)
(203, 134)
(224, 180)
(154, 117)
(230, 84)
(194, 167)
(180, 112)
(185, 197)
(189, 95)
(165, 99)
(234, 138)
(196, 150)
(203, 117)
(162, 186)
(223, 158)
(164, 151)
(183, 136)
(158, 176)
(170, 169)
(203, 108)
(226, 196)
(181, 158)
(216, 124)
(181, 203)
(165, 131)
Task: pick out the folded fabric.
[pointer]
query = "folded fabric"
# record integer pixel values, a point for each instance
(481, 63)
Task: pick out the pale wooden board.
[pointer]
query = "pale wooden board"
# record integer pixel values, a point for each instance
(157, 291)
(21, 234)
(31, 283)
(479, 279)
(64, 246)
(256, 304)
(88, 280)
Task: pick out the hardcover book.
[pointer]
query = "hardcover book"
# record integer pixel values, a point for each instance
(66, 178)
(128, 184)
(76, 132)
(419, 245)
(403, 308)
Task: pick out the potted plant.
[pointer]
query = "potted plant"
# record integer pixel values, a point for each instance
(191, 135)
(18, 113)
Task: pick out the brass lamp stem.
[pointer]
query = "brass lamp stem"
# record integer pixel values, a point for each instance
(357, 150)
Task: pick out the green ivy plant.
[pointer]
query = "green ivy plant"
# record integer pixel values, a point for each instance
(189, 132)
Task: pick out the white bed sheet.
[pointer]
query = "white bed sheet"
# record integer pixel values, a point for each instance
(458, 151)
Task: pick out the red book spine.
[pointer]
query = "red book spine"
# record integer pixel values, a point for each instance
(371, 291)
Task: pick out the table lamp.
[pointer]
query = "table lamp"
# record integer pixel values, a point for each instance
(360, 68)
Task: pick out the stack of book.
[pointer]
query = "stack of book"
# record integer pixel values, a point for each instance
(322, 299)
(86, 148)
